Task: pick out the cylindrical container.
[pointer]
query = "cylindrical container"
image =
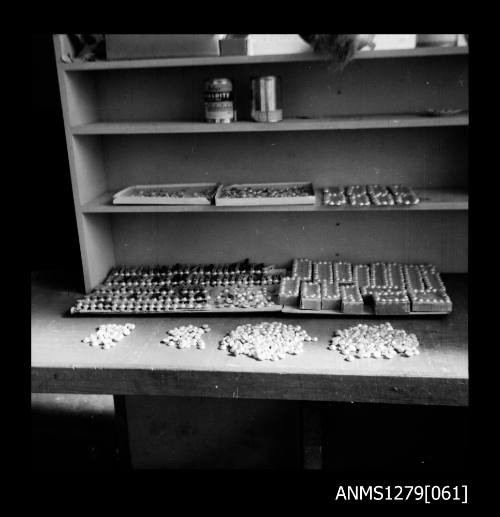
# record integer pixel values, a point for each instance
(437, 40)
(266, 99)
(219, 100)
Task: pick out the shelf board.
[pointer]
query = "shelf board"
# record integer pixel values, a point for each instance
(431, 199)
(61, 363)
(248, 60)
(294, 124)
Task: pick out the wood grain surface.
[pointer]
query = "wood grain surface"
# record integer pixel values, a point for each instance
(140, 364)
(314, 124)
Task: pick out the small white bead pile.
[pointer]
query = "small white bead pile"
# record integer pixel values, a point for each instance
(376, 341)
(266, 341)
(187, 336)
(108, 335)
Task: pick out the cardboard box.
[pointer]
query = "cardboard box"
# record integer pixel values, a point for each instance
(263, 44)
(394, 41)
(150, 46)
(236, 45)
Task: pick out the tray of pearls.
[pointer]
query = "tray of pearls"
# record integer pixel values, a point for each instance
(369, 195)
(255, 194)
(167, 194)
(356, 289)
(375, 289)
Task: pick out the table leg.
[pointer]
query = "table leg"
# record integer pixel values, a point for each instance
(212, 433)
(121, 427)
(312, 435)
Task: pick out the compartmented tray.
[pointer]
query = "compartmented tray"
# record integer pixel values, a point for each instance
(366, 311)
(164, 194)
(308, 198)
(377, 289)
(369, 195)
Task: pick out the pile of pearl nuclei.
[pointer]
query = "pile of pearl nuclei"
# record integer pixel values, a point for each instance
(108, 335)
(187, 336)
(375, 341)
(275, 340)
(266, 341)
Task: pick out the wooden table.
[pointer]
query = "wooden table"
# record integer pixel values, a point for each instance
(141, 365)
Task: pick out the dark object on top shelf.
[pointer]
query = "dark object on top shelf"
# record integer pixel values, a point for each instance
(339, 47)
(87, 47)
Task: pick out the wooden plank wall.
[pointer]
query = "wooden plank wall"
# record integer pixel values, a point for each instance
(309, 89)
(428, 157)
(278, 237)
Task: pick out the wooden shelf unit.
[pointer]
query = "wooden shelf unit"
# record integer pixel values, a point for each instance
(138, 122)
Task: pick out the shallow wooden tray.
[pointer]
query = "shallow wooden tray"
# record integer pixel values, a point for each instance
(211, 310)
(367, 311)
(299, 200)
(124, 197)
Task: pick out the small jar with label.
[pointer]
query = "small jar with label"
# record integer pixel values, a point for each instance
(219, 101)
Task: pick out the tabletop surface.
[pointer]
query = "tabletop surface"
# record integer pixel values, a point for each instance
(129, 367)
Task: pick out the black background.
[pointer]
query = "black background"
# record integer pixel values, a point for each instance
(53, 242)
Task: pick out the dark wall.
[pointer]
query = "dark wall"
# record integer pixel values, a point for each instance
(54, 239)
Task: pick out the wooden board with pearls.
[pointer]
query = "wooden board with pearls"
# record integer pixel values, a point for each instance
(322, 287)
(241, 286)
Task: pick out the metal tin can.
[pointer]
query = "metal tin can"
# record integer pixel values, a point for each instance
(266, 99)
(219, 100)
